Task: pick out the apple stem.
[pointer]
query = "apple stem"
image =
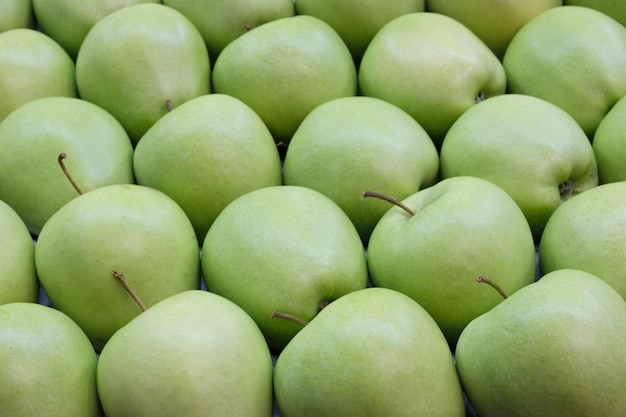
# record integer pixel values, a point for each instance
(287, 316)
(60, 159)
(168, 104)
(389, 199)
(129, 289)
(247, 27)
(486, 280)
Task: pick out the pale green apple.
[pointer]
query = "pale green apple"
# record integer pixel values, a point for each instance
(358, 21)
(47, 364)
(69, 21)
(554, 348)
(374, 352)
(571, 56)
(609, 144)
(613, 8)
(194, 354)
(139, 60)
(18, 278)
(128, 229)
(355, 144)
(32, 66)
(462, 228)
(205, 153)
(222, 21)
(283, 248)
(284, 69)
(431, 66)
(32, 137)
(16, 14)
(530, 147)
(494, 22)
(588, 232)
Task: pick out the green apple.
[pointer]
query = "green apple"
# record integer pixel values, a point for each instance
(222, 21)
(139, 60)
(358, 21)
(528, 146)
(613, 8)
(431, 66)
(588, 232)
(32, 66)
(32, 137)
(15, 14)
(554, 348)
(283, 248)
(205, 153)
(609, 144)
(373, 352)
(285, 68)
(69, 21)
(18, 278)
(47, 364)
(125, 229)
(494, 22)
(193, 354)
(353, 144)
(570, 55)
(460, 228)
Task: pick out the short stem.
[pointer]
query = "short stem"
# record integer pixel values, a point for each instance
(494, 285)
(168, 104)
(287, 316)
(128, 288)
(60, 159)
(390, 200)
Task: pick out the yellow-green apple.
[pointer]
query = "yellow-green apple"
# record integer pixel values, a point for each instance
(609, 144)
(613, 8)
(15, 14)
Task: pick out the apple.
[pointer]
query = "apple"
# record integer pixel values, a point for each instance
(97, 147)
(554, 348)
(283, 248)
(431, 66)
(588, 232)
(609, 144)
(192, 354)
(612, 8)
(15, 14)
(285, 68)
(570, 55)
(351, 144)
(372, 352)
(138, 61)
(118, 231)
(205, 153)
(528, 146)
(18, 278)
(48, 366)
(32, 66)
(494, 22)
(458, 229)
(358, 21)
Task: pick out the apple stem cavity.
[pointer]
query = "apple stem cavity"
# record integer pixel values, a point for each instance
(566, 190)
(287, 316)
(129, 289)
(486, 280)
(479, 97)
(389, 199)
(60, 159)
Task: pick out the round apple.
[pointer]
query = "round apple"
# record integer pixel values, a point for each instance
(609, 144)
(16, 14)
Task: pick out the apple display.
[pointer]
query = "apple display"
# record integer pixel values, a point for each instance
(16, 14)
(609, 144)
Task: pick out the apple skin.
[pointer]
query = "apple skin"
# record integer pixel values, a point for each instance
(371, 352)
(590, 45)
(285, 248)
(131, 229)
(554, 348)
(612, 8)
(16, 14)
(137, 58)
(192, 354)
(284, 69)
(48, 364)
(588, 233)
(32, 66)
(609, 144)
(463, 227)
(530, 147)
(98, 153)
(352, 144)
(18, 278)
(205, 153)
(435, 58)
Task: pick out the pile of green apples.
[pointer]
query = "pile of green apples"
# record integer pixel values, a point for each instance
(312, 208)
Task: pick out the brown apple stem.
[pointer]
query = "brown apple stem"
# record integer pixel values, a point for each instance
(247, 27)
(494, 285)
(168, 104)
(61, 157)
(129, 289)
(287, 316)
(389, 199)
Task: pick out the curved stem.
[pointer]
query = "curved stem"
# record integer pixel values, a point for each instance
(390, 200)
(287, 316)
(494, 285)
(60, 159)
(128, 288)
